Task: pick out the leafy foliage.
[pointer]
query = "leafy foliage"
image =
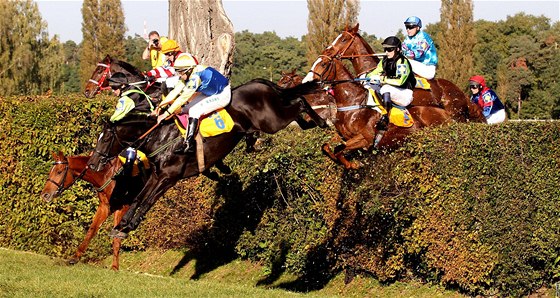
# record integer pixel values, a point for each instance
(469, 206)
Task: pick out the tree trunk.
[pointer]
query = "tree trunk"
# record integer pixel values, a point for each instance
(202, 28)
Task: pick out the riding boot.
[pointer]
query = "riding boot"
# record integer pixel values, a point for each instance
(189, 145)
(383, 123)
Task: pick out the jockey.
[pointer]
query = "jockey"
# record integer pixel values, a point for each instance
(492, 107)
(395, 72)
(131, 97)
(419, 47)
(171, 50)
(200, 91)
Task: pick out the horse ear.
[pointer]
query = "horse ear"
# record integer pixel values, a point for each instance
(356, 28)
(294, 71)
(283, 73)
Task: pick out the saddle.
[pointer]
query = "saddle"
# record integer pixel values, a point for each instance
(398, 116)
(211, 125)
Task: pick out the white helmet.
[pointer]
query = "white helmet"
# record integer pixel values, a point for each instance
(184, 62)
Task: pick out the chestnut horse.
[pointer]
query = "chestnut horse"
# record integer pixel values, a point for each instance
(355, 122)
(65, 171)
(443, 93)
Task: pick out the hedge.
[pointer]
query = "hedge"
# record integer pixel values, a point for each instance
(469, 206)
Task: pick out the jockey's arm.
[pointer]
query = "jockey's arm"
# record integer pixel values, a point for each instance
(189, 90)
(377, 71)
(173, 94)
(161, 72)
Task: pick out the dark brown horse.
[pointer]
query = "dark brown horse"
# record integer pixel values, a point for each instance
(65, 171)
(443, 93)
(259, 105)
(357, 123)
(107, 67)
(323, 103)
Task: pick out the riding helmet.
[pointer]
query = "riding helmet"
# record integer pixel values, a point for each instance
(169, 46)
(479, 80)
(184, 62)
(391, 42)
(413, 21)
(117, 80)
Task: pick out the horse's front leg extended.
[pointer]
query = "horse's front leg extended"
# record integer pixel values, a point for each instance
(152, 197)
(357, 142)
(99, 218)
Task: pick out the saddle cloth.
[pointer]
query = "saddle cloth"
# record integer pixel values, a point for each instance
(214, 124)
(399, 116)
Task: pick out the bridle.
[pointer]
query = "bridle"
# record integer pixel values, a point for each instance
(327, 71)
(61, 188)
(341, 54)
(105, 157)
(106, 73)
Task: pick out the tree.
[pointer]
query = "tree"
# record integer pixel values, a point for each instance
(103, 32)
(456, 40)
(202, 28)
(327, 18)
(265, 56)
(30, 63)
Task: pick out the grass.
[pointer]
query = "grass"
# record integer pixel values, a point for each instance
(157, 274)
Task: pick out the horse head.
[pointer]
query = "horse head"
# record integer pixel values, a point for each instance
(351, 45)
(98, 80)
(60, 178)
(116, 137)
(289, 79)
(105, 69)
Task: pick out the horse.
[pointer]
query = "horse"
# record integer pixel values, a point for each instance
(108, 66)
(258, 105)
(442, 93)
(323, 103)
(65, 172)
(357, 123)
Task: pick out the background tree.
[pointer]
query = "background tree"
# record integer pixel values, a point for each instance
(327, 18)
(265, 56)
(71, 68)
(455, 41)
(29, 58)
(103, 32)
(202, 28)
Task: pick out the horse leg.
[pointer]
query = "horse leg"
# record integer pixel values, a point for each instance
(357, 142)
(155, 187)
(100, 216)
(117, 241)
(314, 116)
(251, 140)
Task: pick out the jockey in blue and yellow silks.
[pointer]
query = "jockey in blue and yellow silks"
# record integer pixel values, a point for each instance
(201, 90)
(419, 48)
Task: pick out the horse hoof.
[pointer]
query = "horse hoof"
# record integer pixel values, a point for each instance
(117, 234)
(72, 261)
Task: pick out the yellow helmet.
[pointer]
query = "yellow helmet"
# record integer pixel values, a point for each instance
(184, 62)
(169, 46)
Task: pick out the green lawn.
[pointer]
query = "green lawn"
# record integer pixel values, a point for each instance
(24, 274)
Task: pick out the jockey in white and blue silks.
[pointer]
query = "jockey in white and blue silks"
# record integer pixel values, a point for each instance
(419, 48)
(200, 91)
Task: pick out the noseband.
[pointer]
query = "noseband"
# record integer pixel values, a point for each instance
(106, 73)
(60, 184)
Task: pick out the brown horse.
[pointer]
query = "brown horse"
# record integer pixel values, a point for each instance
(323, 103)
(357, 123)
(107, 67)
(443, 93)
(65, 171)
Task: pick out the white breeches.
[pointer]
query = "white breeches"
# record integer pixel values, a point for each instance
(498, 117)
(423, 70)
(203, 104)
(400, 96)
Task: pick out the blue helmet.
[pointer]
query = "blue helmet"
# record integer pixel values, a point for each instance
(415, 21)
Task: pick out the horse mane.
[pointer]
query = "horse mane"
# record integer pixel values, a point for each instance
(130, 68)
